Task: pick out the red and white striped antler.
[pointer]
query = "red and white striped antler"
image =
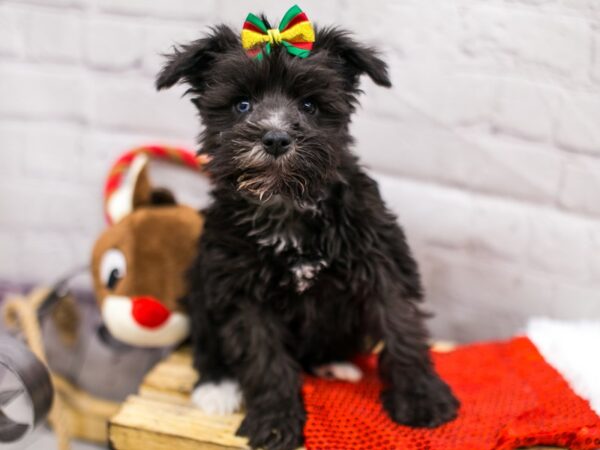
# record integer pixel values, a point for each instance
(120, 182)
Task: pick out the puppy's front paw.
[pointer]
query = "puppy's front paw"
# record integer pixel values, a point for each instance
(274, 430)
(429, 403)
(220, 398)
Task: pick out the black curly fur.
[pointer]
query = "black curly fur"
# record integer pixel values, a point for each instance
(254, 318)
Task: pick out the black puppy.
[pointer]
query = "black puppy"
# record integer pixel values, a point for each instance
(300, 265)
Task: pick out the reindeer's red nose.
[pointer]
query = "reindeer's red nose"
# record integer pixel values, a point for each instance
(149, 312)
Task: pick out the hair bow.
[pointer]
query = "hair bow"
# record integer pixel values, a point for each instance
(295, 33)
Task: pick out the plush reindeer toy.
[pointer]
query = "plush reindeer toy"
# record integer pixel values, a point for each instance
(139, 262)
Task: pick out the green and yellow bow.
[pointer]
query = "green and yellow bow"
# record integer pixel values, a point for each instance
(295, 33)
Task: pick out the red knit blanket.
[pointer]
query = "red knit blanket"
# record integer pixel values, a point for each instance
(510, 397)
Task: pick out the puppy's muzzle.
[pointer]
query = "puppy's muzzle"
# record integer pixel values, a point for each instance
(276, 142)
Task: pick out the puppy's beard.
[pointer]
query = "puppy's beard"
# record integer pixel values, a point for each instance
(264, 176)
(254, 159)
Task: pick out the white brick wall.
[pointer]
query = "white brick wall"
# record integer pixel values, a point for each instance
(488, 146)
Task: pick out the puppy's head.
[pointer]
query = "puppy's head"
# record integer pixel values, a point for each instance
(277, 126)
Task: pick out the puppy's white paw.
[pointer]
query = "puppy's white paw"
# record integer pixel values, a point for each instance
(220, 398)
(344, 371)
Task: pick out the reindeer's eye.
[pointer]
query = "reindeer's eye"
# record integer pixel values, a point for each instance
(243, 106)
(113, 267)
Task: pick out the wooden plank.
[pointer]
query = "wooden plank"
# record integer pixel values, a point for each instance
(173, 379)
(86, 416)
(155, 425)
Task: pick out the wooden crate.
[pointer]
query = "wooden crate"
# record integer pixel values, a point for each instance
(161, 416)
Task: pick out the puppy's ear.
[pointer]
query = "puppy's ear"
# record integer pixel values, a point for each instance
(355, 59)
(189, 63)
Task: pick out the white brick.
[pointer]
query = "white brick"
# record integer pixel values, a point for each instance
(575, 302)
(439, 217)
(160, 39)
(498, 228)
(59, 3)
(474, 299)
(581, 186)
(577, 127)
(10, 255)
(595, 69)
(457, 99)
(411, 139)
(12, 141)
(485, 232)
(100, 150)
(55, 35)
(419, 93)
(49, 255)
(506, 167)
(399, 28)
(112, 44)
(12, 35)
(487, 300)
(515, 40)
(83, 243)
(527, 110)
(535, 2)
(588, 9)
(234, 12)
(12, 198)
(418, 148)
(435, 216)
(595, 254)
(47, 205)
(182, 9)
(53, 152)
(549, 5)
(42, 93)
(560, 244)
(135, 106)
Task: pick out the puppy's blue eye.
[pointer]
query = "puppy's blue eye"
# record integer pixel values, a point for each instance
(243, 106)
(308, 106)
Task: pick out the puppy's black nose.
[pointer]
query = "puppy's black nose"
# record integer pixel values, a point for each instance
(276, 142)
